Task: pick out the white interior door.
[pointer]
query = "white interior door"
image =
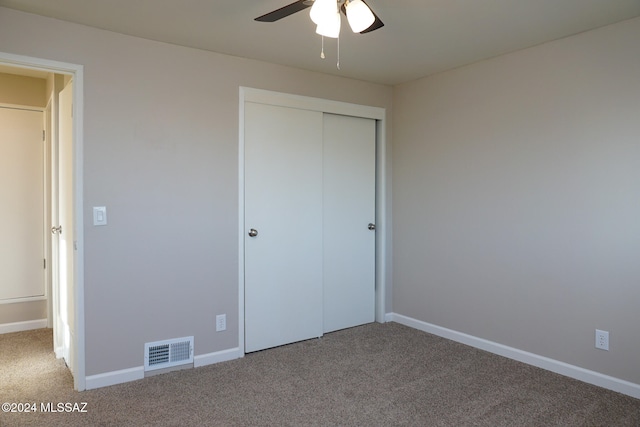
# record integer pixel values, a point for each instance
(22, 196)
(349, 208)
(65, 244)
(283, 203)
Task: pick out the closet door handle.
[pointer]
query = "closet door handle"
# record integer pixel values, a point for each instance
(371, 226)
(253, 232)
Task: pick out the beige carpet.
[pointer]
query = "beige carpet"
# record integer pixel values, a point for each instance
(374, 375)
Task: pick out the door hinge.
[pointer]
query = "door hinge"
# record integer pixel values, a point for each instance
(45, 263)
(43, 135)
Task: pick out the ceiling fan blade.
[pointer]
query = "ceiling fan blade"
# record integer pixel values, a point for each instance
(285, 11)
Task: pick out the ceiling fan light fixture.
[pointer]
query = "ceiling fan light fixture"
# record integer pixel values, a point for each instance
(359, 15)
(322, 11)
(330, 27)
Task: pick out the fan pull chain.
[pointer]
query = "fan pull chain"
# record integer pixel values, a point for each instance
(338, 63)
(322, 51)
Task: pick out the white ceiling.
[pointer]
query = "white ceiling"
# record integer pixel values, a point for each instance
(420, 37)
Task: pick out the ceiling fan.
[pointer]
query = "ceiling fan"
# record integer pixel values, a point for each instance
(326, 14)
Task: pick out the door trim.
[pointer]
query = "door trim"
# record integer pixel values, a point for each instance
(77, 73)
(326, 106)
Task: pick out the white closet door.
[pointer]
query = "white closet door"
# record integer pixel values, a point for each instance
(349, 207)
(65, 246)
(22, 196)
(283, 203)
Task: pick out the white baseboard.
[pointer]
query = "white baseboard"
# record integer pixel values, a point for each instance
(562, 368)
(217, 357)
(137, 373)
(114, 377)
(59, 352)
(7, 328)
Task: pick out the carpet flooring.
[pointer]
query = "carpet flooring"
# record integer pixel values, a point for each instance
(372, 375)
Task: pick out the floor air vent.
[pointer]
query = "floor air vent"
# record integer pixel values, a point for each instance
(168, 353)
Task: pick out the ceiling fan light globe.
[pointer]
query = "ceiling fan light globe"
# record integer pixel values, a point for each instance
(359, 15)
(322, 11)
(330, 27)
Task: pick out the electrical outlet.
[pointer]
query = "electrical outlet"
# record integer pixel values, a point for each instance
(602, 339)
(221, 322)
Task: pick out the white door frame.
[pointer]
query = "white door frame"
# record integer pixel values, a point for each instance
(325, 106)
(76, 71)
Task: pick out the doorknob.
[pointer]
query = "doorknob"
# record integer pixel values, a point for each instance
(56, 230)
(371, 226)
(253, 232)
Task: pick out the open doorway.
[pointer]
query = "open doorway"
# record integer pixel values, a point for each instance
(63, 295)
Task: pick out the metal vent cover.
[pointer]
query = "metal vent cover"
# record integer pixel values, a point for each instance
(168, 353)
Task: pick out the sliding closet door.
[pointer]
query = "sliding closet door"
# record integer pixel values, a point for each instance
(348, 209)
(283, 225)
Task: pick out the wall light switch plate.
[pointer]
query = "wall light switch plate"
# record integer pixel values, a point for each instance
(99, 215)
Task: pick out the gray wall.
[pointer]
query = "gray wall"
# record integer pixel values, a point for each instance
(516, 199)
(23, 90)
(161, 153)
